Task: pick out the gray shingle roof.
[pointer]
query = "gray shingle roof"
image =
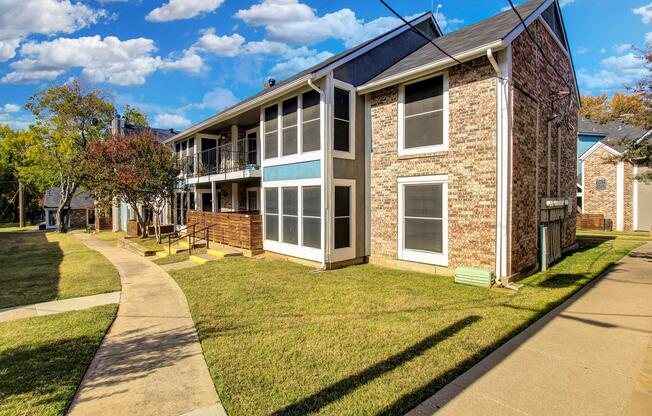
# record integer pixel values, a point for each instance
(487, 31)
(614, 132)
(81, 200)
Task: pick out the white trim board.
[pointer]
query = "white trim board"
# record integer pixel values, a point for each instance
(596, 146)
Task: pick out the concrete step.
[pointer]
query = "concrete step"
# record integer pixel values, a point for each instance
(202, 258)
(198, 244)
(162, 254)
(177, 249)
(223, 251)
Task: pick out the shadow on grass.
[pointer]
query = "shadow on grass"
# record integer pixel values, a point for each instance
(30, 268)
(44, 374)
(345, 386)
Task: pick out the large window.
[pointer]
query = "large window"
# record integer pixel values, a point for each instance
(310, 121)
(289, 131)
(311, 216)
(423, 219)
(342, 120)
(342, 235)
(422, 124)
(271, 214)
(271, 132)
(290, 215)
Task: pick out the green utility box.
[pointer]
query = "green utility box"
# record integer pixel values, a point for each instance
(474, 277)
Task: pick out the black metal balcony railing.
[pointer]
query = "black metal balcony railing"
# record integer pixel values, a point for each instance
(230, 157)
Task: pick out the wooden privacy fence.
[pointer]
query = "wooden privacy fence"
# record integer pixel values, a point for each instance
(590, 222)
(235, 229)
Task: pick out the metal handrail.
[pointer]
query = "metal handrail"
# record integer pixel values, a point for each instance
(205, 229)
(170, 241)
(222, 159)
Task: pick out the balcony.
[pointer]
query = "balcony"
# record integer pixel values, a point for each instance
(230, 160)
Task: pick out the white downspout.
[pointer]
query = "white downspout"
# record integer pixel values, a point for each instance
(498, 269)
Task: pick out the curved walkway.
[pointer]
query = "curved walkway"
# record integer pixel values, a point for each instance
(150, 361)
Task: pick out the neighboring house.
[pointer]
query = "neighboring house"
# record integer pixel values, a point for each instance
(121, 212)
(82, 209)
(394, 153)
(607, 188)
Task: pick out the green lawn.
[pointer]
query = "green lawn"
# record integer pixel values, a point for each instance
(173, 258)
(282, 340)
(40, 266)
(110, 236)
(43, 359)
(7, 227)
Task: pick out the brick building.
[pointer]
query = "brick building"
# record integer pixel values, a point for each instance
(609, 188)
(415, 149)
(82, 209)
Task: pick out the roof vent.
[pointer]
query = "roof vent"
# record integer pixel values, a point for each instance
(271, 82)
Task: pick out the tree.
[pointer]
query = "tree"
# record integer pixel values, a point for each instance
(68, 119)
(628, 108)
(595, 108)
(137, 168)
(134, 116)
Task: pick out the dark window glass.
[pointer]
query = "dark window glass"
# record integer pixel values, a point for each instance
(311, 136)
(271, 227)
(290, 112)
(312, 216)
(424, 130)
(424, 96)
(342, 217)
(271, 118)
(290, 215)
(423, 200)
(341, 104)
(312, 201)
(341, 133)
(312, 232)
(290, 230)
(290, 140)
(423, 234)
(271, 145)
(311, 105)
(271, 200)
(424, 116)
(290, 201)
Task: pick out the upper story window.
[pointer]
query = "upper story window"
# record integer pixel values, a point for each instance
(423, 116)
(342, 120)
(310, 121)
(289, 131)
(271, 132)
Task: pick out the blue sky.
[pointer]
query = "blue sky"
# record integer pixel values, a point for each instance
(184, 60)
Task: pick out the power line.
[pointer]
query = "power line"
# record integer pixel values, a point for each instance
(419, 32)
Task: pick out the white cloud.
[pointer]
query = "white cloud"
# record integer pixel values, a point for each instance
(563, 3)
(182, 9)
(189, 62)
(297, 63)
(219, 45)
(645, 12)
(16, 121)
(581, 51)
(19, 18)
(10, 108)
(294, 23)
(615, 72)
(109, 60)
(170, 121)
(622, 48)
(603, 50)
(216, 100)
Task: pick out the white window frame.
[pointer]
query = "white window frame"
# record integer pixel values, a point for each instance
(298, 250)
(300, 155)
(258, 141)
(419, 256)
(352, 101)
(402, 151)
(256, 190)
(344, 253)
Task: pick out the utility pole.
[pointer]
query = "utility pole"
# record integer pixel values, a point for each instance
(21, 205)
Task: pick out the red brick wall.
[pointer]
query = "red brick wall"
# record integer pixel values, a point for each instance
(535, 80)
(595, 167)
(470, 164)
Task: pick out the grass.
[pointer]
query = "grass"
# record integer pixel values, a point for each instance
(39, 267)
(9, 227)
(363, 340)
(43, 359)
(172, 258)
(110, 236)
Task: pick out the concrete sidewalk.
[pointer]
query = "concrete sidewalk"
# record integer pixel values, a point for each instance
(58, 306)
(150, 361)
(586, 357)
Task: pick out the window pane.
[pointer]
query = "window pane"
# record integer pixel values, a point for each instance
(341, 140)
(252, 200)
(341, 104)
(423, 200)
(271, 145)
(271, 200)
(424, 130)
(311, 105)
(290, 230)
(271, 118)
(423, 234)
(311, 137)
(290, 112)
(290, 141)
(312, 232)
(290, 201)
(271, 227)
(424, 96)
(312, 201)
(342, 201)
(342, 227)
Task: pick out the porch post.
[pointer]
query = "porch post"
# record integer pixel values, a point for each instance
(234, 196)
(214, 195)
